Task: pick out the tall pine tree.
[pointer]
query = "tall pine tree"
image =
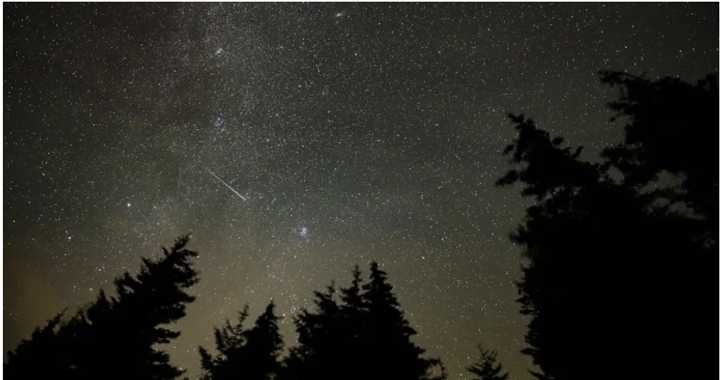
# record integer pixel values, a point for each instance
(487, 367)
(116, 337)
(362, 335)
(245, 354)
(621, 263)
(322, 351)
(393, 354)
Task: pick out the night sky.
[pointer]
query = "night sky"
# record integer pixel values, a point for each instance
(296, 140)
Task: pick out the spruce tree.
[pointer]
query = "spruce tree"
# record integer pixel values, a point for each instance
(245, 354)
(39, 357)
(229, 339)
(487, 367)
(393, 354)
(351, 296)
(618, 261)
(353, 312)
(363, 335)
(320, 353)
(116, 337)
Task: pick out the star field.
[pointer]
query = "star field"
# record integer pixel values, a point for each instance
(296, 140)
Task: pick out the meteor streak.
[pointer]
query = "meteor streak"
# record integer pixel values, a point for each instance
(226, 185)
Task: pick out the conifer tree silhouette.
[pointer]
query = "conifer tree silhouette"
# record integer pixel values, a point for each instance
(321, 337)
(229, 339)
(245, 354)
(487, 367)
(351, 296)
(394, 354)
(670, 126)
(619, 263)
(39, 356)
(354, 316)
(363, 336)
(115, 337)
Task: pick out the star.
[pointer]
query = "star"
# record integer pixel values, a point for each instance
(219, 121)
(303, 232)
(388, 126)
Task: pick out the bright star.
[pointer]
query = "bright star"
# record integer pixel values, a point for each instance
(303, 232)
(219, 121)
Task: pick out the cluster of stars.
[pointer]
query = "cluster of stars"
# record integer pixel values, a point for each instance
(297, 140)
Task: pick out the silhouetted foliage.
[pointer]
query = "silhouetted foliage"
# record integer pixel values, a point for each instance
(39, 356)
(487, 367)
(245, 354)
(115, 337)
(363, 335)
(672, 126)
(621, 270)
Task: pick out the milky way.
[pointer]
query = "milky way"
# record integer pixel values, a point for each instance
(355, 132)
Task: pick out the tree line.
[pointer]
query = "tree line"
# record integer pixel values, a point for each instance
(619, 277)
(117, 337)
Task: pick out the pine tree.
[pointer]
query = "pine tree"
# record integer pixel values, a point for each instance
(229, 339)
(353, 312)
(117, 337)
(618, 262)
(394, 355)
(320, 353)
(351, 296)
(247, 354)
(364, 336)
(487, 367)
(38, 357)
